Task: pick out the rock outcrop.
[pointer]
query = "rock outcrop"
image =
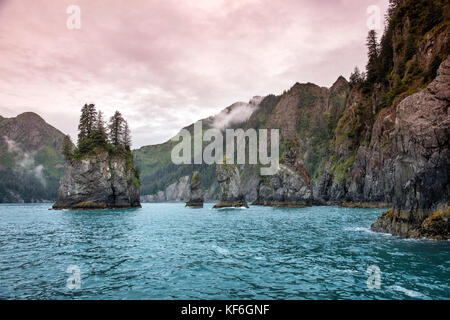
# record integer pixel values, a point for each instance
(196, 194)
(230, 186)
(421, 169)
(100, 181)
(290, 186)
(175, 192)
(286, 188)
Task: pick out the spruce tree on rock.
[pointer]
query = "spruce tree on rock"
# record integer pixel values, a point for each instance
(356, 77)
(92, 119)
(372, 64)
(126, 136)
(116, 129)
(83, 124)
(88, 120)
(100, 136)
(67, 147)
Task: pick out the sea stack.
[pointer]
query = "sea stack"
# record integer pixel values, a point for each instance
(196, 196)
(98, 181)
(99, 172)
(230, 185)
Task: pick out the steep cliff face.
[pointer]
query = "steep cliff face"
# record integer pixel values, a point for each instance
(286, 188)
(230, 186)
(99, 181)
(421, 169)
(290, 186)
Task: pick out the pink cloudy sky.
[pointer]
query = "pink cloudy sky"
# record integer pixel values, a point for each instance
(167, 63)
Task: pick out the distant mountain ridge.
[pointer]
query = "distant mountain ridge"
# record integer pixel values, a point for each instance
(30, 159)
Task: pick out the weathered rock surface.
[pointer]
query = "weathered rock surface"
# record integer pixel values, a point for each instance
(100, 181)
(421, 169)
(287, 188)
(175, 192)
(230, 186)
(196, 193)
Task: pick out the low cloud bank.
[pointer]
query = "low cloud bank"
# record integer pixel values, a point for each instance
(25, 163)
(237, 113)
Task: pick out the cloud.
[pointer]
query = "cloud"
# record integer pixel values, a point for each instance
(25, 163)
(237, 113)
(168, 61)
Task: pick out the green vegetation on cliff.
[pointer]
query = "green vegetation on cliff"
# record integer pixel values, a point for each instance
(403, 62)
(30, 159)
(94, 138)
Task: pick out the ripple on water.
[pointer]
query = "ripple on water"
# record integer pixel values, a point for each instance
(167, 251)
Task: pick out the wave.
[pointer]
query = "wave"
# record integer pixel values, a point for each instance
(222, 251)
(410, 293)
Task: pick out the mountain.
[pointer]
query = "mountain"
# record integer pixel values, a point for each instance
(306, 113)
(380, 139)
(161, 180)
(30, 159)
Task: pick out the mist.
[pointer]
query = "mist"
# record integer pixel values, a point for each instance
(25, 163)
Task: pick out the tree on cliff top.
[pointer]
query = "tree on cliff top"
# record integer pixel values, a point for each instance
(67, 147)
(93, 133)
(116, 129)
(126, 136)
(99, 134)
(88, 120)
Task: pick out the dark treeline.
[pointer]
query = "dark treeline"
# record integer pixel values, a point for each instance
(93, 133)
(386, 78)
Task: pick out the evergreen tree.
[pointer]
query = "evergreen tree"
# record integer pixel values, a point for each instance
(92, 119)
(100, 136)
(372, 64)
(116, 128)
(126, 136)
(83, 124)
(87, 123)
(67, 147)
(356, 77)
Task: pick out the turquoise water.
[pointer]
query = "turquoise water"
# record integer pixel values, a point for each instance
(167, 251)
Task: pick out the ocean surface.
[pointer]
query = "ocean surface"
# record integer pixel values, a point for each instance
(167, 251)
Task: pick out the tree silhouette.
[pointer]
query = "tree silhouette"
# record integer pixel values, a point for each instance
(126, 135)
(67, 147)
(116, 129)
(372, 64)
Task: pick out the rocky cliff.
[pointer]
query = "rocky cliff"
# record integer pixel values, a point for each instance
(360, 142)
(98, 181)
(290, 186)
(420, 172)
(230, 187)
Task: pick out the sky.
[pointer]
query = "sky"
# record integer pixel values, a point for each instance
(165, 64)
